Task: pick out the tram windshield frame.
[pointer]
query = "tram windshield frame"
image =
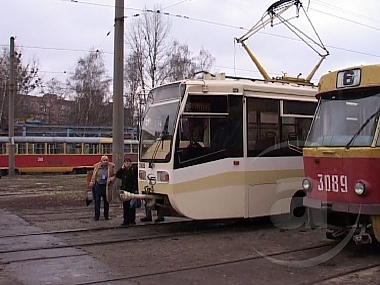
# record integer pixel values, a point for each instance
(158, 124)
(345, 118)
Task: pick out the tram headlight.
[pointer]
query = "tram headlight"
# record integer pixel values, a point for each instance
(162, 176)
(306, 184)
(359, 188)
(142, 174)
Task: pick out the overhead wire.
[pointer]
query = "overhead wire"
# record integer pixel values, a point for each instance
(345, 11)
(217, 24)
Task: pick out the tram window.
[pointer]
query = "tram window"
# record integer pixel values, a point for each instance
(21, 148)
(40, 149)
(106, 148)
(55, 148)
(31, 148)
(91, 148)
(211, 136)
(263, 125)
(207, 104)
(295, 130)
(3, 148)
(73, 148)
(36, 148)
(299, 108)
(135, 148)
(127, 148)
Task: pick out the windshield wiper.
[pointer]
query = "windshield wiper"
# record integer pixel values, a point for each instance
(159, 140)
(361, 128)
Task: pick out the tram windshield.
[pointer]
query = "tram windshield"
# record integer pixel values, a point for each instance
(159, 123)
(345, 118)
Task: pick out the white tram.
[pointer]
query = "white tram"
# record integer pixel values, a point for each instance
(220, 147)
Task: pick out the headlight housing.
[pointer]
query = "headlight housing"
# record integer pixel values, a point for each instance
(359, 188)
(142, 174)
(306, 184)
(163, 176)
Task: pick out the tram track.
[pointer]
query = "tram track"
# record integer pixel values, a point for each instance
(155, 237)
(166, 253)
(134, 277)
(182, 228)
(281, 254)
(82, 242)
(340, 275)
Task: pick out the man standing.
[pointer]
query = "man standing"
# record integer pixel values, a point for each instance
(129, 182)
(101, 179)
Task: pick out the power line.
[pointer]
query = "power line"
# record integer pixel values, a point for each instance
(347, 20)
(212, 23)
(345, 11)
(54, 48)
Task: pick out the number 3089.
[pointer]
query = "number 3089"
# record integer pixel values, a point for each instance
(335, 183)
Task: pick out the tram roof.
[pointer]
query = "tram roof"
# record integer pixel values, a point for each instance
(221, 84)
(369, 77)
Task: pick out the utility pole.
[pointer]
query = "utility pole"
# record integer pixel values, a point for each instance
(118, 84)
(11, 117)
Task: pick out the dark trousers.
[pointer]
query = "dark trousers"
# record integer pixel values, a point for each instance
(100, 192)
(129, 214)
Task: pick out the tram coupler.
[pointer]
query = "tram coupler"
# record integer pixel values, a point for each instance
(363, 237)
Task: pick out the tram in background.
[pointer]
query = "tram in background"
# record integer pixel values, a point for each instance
(342, 155)
(221, 147)
(59, 154)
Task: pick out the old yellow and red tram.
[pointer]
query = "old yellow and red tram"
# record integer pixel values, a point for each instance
(342, 155)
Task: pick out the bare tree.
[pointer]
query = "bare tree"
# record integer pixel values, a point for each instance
(27, 80)
(133, 82)
(149, 41)
(181, 63)
(91, 89)
(156, 59)
(54, 102)
(204, 61)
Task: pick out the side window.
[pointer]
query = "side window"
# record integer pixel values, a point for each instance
(73, 148)
(262, 125)
(127, 148)
(296, 118)
(21, 148)
(55, 148)
(91, 148)
(211, 128)
(106, 148)
(135, 148)
(36, 148)
(3, 148)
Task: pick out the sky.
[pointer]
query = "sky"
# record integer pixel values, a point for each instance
(59, 32)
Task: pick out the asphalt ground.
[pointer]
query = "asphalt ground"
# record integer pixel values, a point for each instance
(49, 237)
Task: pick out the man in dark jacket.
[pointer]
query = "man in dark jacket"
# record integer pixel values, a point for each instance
(129, 182)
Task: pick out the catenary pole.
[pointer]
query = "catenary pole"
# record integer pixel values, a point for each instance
(118, 103)
(11, 116)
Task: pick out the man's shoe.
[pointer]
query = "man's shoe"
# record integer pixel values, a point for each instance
(159, 220)
(106, 218)
(96, 219)
(124, 225)
(146, 219)
(133, 223)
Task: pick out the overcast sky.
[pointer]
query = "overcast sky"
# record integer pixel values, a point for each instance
(58, 32)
